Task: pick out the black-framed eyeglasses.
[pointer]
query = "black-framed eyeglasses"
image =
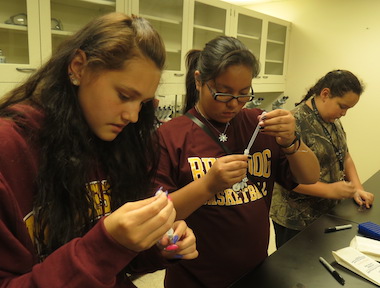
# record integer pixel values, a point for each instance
(226, 97)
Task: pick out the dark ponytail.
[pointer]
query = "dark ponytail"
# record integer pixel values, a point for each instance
(191, 91)
(339, 82)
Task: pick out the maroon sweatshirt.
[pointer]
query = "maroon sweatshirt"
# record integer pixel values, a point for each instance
(94, 260)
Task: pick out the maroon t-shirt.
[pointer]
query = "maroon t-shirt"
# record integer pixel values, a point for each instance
(232, 229)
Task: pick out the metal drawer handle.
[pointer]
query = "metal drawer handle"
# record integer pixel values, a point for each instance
(28, 70)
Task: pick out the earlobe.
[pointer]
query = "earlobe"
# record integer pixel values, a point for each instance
(74, 80)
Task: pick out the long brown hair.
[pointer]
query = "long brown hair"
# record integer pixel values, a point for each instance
(70, 152)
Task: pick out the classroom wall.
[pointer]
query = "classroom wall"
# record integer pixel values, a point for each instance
(337, 34)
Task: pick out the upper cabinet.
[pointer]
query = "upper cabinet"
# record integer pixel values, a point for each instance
(211, 18)
(249, 30)
(267, 37)
(31, 30)
(170, 18)
(19, 39)
(68, 16)
(276, 50)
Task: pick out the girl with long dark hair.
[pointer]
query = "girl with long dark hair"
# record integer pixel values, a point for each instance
(78, 153)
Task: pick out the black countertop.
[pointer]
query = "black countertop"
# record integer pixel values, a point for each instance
(296, 264)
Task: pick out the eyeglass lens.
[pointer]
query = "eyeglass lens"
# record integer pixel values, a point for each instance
(225, 97)
(228, 97)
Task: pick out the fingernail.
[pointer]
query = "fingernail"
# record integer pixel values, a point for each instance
(175, 239)
(171, 247)
(170, 198)
(178, 256)
(159, 191)
(170, 234)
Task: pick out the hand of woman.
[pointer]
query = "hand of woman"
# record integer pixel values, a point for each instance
(281, 124)
(139, 225)
(225, 172)
(182, 245)
(362, 197)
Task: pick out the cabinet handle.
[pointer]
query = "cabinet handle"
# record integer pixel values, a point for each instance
(28, 70)
(178, 74)
(265, 77)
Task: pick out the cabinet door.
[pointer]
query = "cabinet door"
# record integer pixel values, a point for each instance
(60, 18)
(169, 18)
(249, 30)
(19, 39)
(210, 19)
(276, 44)
(267, 38)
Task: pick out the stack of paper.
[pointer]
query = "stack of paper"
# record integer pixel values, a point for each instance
(359, 263)
(367, 246)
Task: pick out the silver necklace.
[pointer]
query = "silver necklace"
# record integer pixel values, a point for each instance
(222, 135)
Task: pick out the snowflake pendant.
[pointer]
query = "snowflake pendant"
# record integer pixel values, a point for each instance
(223, 137)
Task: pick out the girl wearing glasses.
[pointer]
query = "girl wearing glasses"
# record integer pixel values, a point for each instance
(78, 152)
(317, 117)
(223, 194)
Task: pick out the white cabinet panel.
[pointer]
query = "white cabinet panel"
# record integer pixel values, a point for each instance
(210, 19)
(27, 44)
(266, 36)
(183, 24)
(71, 15)
(170, 18)
(19, 39)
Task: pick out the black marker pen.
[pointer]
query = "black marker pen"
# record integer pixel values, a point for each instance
(338, 228)
(332, 271)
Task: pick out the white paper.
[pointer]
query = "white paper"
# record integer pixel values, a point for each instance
(359, 263)
(368, 246)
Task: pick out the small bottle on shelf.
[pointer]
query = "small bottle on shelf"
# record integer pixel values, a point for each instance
(2, 57)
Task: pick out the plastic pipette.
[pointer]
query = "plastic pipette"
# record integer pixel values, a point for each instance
(254, 135)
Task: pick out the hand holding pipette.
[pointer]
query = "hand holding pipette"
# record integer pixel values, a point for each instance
(238, 187)
(179, 241)
(170, 232)
(254, 134)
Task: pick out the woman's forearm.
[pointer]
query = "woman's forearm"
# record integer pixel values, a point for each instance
(304, 165)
